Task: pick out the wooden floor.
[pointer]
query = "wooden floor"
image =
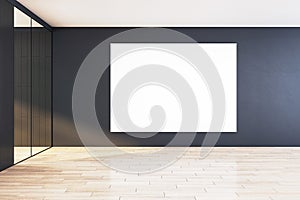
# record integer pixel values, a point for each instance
(227, 173)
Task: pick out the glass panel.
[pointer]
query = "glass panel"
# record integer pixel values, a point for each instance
(22, 86)
(41, 88)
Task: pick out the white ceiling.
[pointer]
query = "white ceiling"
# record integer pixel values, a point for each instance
(166, 13)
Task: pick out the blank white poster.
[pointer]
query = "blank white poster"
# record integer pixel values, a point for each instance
(127, 58)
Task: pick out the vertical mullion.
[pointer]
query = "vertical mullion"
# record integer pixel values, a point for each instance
(45, 90)
(31, 86)
(51, 90)
(21, 90)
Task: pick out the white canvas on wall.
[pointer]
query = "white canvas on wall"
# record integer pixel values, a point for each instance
(126, 57)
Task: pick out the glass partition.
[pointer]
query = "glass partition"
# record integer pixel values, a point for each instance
(32, 85)
(41, 88)
(22, 86)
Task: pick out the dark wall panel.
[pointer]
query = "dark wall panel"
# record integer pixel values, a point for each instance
(41, 87)
(32, 87)
(268, 84)
(6, 85)
(22, 87)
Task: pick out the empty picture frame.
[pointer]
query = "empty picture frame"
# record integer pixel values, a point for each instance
(142, 101)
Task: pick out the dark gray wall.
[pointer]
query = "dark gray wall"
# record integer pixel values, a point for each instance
(6, 85)
(268, 84)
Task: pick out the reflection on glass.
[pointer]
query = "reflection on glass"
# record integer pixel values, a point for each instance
(22, 86)
(41, 88)
(32, 97)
